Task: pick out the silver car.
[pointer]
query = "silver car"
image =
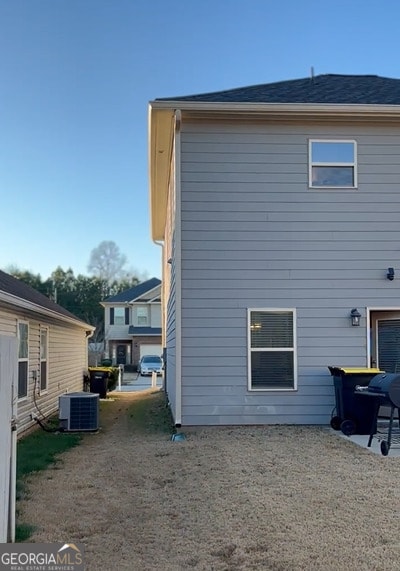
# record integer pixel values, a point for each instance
(150, 363)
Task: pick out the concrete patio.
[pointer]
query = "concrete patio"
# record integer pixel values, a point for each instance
(362, 439)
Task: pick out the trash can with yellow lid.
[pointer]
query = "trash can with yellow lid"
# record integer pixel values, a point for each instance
(99, 380)
(353, 415)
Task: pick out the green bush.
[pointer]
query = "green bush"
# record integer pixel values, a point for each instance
(112, 378)
(112, 375)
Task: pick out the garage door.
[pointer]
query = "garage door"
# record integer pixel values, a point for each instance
(150, 350)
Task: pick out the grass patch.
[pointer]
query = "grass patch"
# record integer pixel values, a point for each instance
(151, 413)
(39, 449)
(23, 531)
(36, 452)
(148, 413)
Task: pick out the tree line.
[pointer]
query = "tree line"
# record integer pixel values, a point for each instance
(81, 294)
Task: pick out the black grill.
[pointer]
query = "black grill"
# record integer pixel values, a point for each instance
(385, 386)
(385, 390)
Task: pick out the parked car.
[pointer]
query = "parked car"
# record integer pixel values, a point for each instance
(150, 363)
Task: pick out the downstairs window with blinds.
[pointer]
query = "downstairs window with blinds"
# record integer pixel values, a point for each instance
(272, 355)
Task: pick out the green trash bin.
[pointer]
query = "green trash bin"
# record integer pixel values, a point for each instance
(354, 414)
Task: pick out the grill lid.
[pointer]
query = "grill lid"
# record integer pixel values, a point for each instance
(386, 385)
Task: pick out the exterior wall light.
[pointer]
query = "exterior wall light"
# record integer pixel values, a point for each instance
(390, 274)
(355, 317)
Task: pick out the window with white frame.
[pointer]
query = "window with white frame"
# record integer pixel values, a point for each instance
(43, 359)
(332, 164)
(23, 334)
(119, 316)
(272, 354)
(143, 315)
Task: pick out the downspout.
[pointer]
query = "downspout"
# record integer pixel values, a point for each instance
(88, 335)
(178, 271)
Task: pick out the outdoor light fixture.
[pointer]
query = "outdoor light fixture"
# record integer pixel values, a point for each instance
(355, 317)
(390, 274)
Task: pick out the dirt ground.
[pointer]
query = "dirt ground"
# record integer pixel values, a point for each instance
(225, 499)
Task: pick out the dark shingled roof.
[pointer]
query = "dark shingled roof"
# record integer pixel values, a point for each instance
(330, 89)
(133, 292)
(19, 289)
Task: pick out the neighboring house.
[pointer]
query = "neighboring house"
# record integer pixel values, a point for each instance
(132, 323)
(278, 207)
(51, 346)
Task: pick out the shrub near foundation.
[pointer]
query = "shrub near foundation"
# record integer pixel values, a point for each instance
(113, 378)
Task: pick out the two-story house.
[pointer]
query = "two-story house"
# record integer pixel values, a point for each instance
(278, 207)
(132, 323)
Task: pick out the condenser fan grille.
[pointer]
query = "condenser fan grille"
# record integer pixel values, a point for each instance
(79, 411)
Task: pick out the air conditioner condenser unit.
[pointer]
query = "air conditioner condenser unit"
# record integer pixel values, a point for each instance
(79, 412)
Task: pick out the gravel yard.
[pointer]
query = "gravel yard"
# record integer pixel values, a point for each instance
(271, 498)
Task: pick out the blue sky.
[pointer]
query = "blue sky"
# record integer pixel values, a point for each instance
(76, 77)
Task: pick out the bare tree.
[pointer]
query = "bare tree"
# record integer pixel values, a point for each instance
(107, 262)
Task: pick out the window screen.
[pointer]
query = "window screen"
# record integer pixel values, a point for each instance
(271, 349)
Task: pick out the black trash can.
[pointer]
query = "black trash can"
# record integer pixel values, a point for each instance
(99, 382)
(354, 414)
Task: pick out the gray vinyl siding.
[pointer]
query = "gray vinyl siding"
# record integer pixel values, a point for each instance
(170, 334)
(66, 363)
(254, 235)
(169, 295)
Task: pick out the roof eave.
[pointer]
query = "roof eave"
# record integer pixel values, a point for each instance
(20, 303)
(271, 108)
(161, 135)
(161, 130)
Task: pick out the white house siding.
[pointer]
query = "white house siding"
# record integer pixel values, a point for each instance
(255, 235)
(155, 314)
(154, 311)
(118, 332)
(121, 331)
(67, 361)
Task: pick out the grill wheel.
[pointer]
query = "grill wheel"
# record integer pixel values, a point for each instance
(348, 427)
(384, 448)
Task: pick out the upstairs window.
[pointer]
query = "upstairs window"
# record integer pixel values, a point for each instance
(143, 316)
(119, 315)
(272, 354)
(332, 164)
